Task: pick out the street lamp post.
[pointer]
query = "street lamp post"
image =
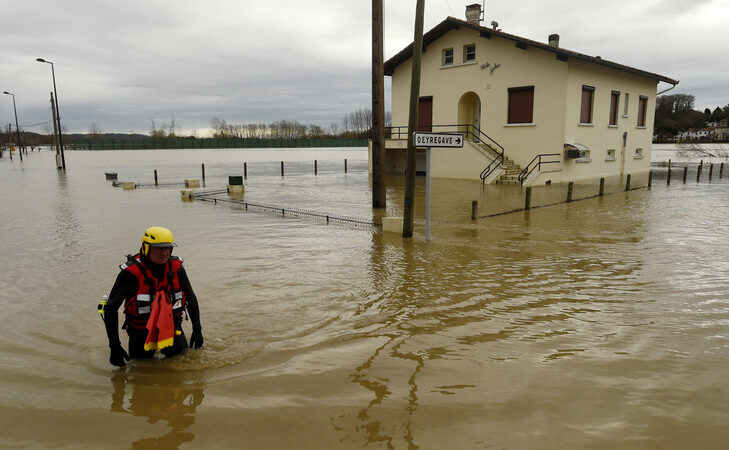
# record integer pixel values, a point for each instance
(17, 129)
(58, 114)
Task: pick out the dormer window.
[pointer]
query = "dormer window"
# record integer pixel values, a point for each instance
(448, 57)
(469, 52)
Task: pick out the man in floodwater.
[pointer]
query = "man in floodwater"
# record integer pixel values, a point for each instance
(155, 291)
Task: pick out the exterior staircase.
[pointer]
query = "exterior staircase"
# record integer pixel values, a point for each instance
(512, 169)
(511, 175)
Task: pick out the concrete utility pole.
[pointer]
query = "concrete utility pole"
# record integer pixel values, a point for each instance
(378, 108)
(58, 113)
(17, 127)
(407, 227)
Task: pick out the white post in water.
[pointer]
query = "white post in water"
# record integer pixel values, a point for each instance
(429, 140)
(427, 193)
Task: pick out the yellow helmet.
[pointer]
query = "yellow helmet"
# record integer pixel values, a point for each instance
(157, 237)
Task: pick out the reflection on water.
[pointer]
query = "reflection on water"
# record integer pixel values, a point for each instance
(595, 324)
(67, 227)
(446, 310)
(158, 398)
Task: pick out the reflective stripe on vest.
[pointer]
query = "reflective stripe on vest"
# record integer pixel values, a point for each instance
(143, 305)
(178, 300)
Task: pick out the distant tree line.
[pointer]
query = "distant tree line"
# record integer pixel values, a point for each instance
(355, 124)
(675, 113)
(29, 138)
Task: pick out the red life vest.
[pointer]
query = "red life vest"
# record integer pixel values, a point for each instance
(138, 307)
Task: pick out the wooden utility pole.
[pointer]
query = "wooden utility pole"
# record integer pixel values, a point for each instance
(409, 210)
(55, 127)
(378, 108)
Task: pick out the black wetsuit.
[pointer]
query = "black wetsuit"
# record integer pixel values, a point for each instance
(125, 287)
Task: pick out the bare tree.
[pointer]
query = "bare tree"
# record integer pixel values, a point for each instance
(315, 131)
(357, 123)
(171, 132)
(155, 132)
(215, 125)
(692, 149)
(95, 130)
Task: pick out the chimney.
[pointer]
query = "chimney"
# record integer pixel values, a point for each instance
(473, 14)
(554, 40)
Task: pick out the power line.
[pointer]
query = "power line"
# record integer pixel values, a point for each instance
(37, 124)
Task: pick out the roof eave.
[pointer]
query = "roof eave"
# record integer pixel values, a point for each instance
(451, 23)
(429, 37)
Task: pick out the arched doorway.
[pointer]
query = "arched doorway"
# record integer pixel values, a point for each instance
(469, 113)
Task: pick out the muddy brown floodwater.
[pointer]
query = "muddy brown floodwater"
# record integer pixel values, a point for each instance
(601, 324)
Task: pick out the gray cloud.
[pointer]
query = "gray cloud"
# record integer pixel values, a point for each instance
(120, 64)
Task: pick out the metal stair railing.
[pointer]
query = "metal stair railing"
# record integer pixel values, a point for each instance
(536, 163)
(471, 132)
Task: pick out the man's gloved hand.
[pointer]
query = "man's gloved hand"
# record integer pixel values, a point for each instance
(118, 355)
(196, 339)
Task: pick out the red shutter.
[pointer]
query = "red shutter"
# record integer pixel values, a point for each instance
(521, 105)
(614, 108)
(425, 114)
(641, 111)
(586, 106)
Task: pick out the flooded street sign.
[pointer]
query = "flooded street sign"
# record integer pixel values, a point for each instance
(437, 140)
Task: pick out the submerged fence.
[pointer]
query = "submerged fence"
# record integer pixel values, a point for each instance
(214, 196)
(199, 143)
(540, 196)
(263, 168)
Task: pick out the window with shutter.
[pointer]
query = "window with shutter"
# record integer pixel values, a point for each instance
(614, 99)
(642, 106)
(521, 104)
(586, 105)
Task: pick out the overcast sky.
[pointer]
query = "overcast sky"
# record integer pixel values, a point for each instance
(120, 64)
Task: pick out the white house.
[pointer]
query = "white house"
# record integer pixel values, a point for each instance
(696, 133)
(526, 107)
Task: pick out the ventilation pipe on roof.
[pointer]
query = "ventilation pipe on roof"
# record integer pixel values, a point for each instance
(473, 14)
(554, 40)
